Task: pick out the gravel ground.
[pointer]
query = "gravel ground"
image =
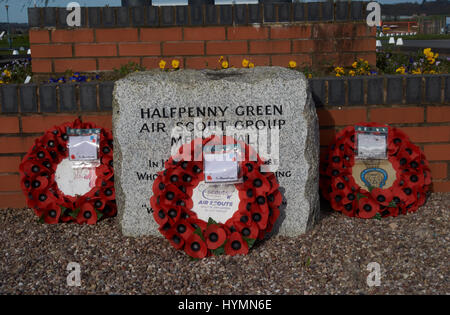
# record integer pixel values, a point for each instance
(412, 250)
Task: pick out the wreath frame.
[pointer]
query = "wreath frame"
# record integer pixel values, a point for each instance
(38, 183)
(408, 192)
(172, 205)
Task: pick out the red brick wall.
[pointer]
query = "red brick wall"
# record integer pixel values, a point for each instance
(427, 126)
(92, 49)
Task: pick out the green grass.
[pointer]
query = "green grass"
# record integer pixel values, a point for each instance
(17, 42)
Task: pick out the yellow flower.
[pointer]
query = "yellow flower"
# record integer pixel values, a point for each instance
(427, 51)
(1, 81)
(7, 73)
(225, 64)
(251, 65)
(221, 58)
(355, 64)
(339, 70)
(432, 72)
(309, 76)
(352, 73)
(338, 74)
(400, 70)
(431, 60)
(162, 64)
(245, 63)
(417, 71)
(292, 64)
(175, 64)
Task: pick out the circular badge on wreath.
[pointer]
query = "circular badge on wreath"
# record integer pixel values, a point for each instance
(205, 219)
(59, 192)
(368, 188)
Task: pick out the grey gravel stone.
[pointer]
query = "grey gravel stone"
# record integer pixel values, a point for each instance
(332, 258)
(231, 90)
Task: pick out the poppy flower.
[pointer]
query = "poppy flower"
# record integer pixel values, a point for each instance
(337, 199)
(41, 155)
(101, 181)
(108, 193)
(173, 214)
(51, 213)
(87, 214)
(187, 213)
(247, 206)
(105, 149)
(184, 228)
(197, 223)
(242, 216)
(160, 216)
(196, 247)
(30, 167)
(171, 194)
(174, 238)
(368, 208)
(413, 177)
(172, 175)
(338, 183)
(215, 236)
(43, 198)
(407, 153)
(250, 231)
(25, 183)
(193, 169)
(158, 185)
(260, 218)
(107, 160)
(396, 139)
(49, 141)
(250, 167)
(236, 245)
(349, 208)
(406, 194)
(382, 196)
(259, 183)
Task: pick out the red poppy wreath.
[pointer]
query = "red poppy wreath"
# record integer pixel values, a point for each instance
(172, 203)
(38, 182)
(375, 188)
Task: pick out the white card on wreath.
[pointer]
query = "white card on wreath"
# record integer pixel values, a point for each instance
(371, 146)
(83, 148)
(221, 167)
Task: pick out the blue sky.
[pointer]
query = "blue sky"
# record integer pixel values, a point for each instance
(18, 12)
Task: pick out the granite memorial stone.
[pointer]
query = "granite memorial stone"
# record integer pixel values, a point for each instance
(148, 106)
